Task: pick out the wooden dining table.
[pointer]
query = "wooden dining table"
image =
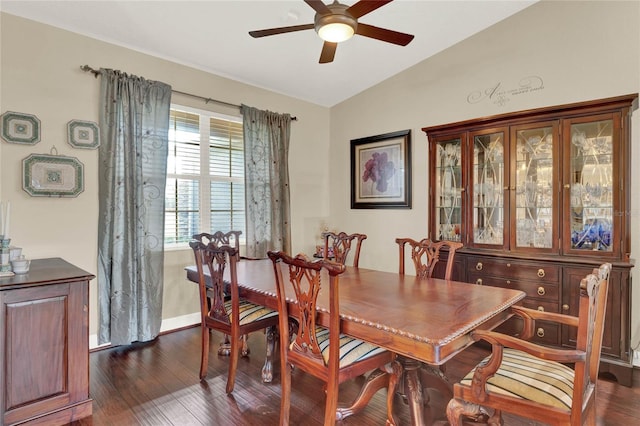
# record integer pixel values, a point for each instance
(423, 320)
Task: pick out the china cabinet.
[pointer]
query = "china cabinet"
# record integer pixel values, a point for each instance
(44, 345)
(539, 198)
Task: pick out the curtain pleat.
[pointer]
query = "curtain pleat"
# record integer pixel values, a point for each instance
(134, 123)
(266, 142)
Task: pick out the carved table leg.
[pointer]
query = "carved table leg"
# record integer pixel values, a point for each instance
(245, 345)
(225, 347)
(457, 408)
(377, 380)
(267, 369)
(413, 389)
(433, 377)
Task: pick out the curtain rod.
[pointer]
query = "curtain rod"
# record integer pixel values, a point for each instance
(96, 73)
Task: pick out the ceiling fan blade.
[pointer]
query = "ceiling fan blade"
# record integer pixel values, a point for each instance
(318, 6)
(365, 6)
(328, 52)
(383, 34)
(281, 30)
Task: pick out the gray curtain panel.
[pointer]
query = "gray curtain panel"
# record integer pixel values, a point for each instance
(134, 125)
(266, 145)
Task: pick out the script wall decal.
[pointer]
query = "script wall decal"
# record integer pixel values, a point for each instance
(500, 95)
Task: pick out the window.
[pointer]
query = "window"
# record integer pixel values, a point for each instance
(205, 175)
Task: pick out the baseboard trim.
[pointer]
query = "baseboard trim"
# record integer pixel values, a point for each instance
(168, 325)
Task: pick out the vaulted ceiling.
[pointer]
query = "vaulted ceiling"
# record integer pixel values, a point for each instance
(213, 36)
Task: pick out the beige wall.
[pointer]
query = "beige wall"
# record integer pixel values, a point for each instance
(40, 74)
(581, 50)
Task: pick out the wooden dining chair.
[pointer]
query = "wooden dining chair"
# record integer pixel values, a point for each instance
(231, 315)
(339, 244)
(219, 238)
(325, 353)
(426, 255)
(549, 385)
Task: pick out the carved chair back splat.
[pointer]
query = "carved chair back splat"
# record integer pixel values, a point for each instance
(325, 353)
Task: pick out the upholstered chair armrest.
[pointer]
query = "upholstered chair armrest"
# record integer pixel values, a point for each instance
(530, 316)
(499, 341)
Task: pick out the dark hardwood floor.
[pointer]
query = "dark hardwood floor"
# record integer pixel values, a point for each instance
(157, 384)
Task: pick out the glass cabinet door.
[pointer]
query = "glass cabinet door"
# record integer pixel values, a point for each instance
(487, 185)
(448, 190)
(592, 198)
(535, 182)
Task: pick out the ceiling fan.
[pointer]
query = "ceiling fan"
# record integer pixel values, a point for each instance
(337, 22)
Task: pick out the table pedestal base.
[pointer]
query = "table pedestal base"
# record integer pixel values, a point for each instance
(377, 380)
(417, 377)
(271, 339)
(225, 346)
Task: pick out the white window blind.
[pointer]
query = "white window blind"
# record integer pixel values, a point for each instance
(205, 175)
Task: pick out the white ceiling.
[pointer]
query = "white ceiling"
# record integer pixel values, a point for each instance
(213, 36)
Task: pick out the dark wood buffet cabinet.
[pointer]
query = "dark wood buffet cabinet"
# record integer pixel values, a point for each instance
(539, 198)
(44, 344)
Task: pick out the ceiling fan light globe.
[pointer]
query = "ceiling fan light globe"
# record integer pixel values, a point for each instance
(336, 32)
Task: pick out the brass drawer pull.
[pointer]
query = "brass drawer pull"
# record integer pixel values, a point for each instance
(508, 282)
(565, 307)
(508, 265)
(479, 281)
(541, 308)
(541, 291)
(541, 273)
(479, 266)
(540, 332)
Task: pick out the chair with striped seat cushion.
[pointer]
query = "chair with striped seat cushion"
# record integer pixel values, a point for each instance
(249, 312)
(325, 353)
(549, 385)
(525, 376)
(223, 312)
(351, 350)
(220, 238)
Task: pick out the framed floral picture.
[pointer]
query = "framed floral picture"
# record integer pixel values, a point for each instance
(381, 171)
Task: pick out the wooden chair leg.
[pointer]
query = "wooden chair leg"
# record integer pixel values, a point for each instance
(496, 419)
(285, 399)
(331, 407)
(233, 362)
(204, 356)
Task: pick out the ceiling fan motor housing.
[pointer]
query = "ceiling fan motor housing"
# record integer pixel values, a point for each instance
(338, 15)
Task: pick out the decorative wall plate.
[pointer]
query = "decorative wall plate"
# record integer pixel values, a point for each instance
(83, 134)
(46, 175)
(20, 128)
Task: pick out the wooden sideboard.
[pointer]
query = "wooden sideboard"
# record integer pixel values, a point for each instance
(44, 344)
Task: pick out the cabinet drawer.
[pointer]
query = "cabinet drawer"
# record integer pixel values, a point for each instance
(540, 305)
(513, 269)
(546, 333)
(539, 290)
